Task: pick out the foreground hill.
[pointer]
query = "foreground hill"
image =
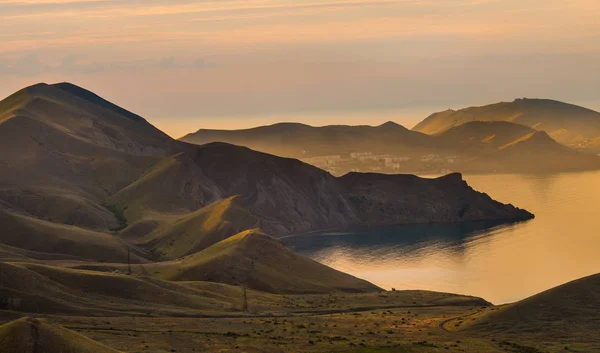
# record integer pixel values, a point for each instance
(254, 259)
(23, 231)
(28, 335)
(412, 321)
(200, 229)
(472, 146)
(100, 291)
(41, 288)
(569, 124)
(261, 262)
(567, 311)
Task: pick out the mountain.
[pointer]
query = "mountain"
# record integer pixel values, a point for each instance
(571, 125)
(28, 335)
(41, 288)
(174, 184)
(303, 141)
(83, 179)
(50, 239)
(507, 147)
(290, 196)
(280, 195)
(488, 135)
(59, 151)
(470, 147)
(416, 200)
(567, 311)
(202, 228)
(260, 261)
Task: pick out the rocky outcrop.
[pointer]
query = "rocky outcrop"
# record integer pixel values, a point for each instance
(394, 199)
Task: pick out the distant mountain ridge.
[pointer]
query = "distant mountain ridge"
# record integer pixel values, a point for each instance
(471, 146)
(297, 140)
(571, 125)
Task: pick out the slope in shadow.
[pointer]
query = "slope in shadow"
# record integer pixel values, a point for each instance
(28, 335)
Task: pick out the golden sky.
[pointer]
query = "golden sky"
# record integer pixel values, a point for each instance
(186, 64)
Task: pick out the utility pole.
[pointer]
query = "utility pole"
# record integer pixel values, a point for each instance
(245, 298)
(128, 261)
(245, 285)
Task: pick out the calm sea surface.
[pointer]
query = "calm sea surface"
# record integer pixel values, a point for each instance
(501, 263)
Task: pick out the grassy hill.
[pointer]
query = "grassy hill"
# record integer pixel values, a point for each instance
(200, 229)
(263, 263)
(40, 288)
(28, 335)
(256, 259)
(568, 312)
(173, 185)
(25, 232)
(62, 151)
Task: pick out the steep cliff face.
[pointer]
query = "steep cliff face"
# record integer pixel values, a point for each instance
(287, 191)
(393, 199)
(284, 196)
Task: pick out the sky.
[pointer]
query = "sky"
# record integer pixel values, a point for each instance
(186, 65)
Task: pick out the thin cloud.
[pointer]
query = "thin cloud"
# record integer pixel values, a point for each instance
(231, 7)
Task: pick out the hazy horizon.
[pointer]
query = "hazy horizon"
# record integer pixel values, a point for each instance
(179, 126)
(186, 65)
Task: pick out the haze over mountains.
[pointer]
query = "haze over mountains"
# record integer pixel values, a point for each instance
(85, 180)
(476, 140)
(571, 125)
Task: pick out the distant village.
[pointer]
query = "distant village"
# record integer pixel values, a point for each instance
(383, 163)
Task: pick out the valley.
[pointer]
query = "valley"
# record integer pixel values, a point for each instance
(116, 237)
